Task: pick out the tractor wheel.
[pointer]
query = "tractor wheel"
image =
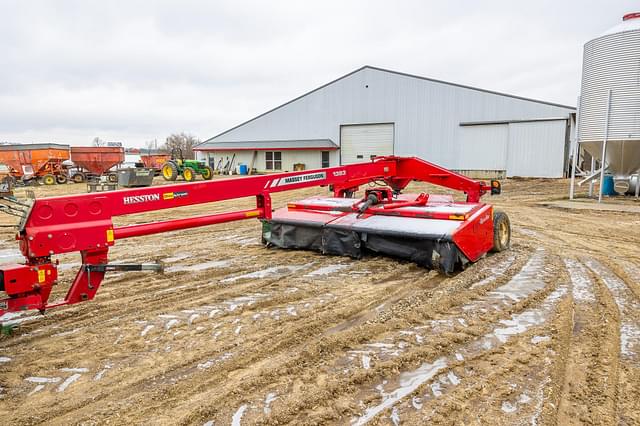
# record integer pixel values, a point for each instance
(501, 231)
(169, 171)
(61, 179)
(189, 174)
(207, 173)
(78, 177)
(112, 177)
(49, 179)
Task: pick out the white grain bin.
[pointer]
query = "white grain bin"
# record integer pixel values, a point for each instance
(611, 92)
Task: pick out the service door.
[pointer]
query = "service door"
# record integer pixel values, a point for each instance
(361, 142)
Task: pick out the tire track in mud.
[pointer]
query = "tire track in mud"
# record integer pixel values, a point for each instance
(626, 307)
(588, 395)
(569, 368)
(291, 403)
(329, 314)
(301, 356)
(527, 284)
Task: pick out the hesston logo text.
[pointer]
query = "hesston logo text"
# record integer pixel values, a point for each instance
(135, 199)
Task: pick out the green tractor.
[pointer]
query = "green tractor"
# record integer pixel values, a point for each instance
(189, 169)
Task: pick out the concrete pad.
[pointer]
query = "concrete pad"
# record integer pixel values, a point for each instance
(630, 206)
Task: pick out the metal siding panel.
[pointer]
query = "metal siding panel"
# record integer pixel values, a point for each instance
(484, 147)
(536, 149)
(360, 142)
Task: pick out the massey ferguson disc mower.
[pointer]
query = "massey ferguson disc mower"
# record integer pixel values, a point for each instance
(431, 230)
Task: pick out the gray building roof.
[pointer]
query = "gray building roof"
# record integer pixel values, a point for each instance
(311, 144)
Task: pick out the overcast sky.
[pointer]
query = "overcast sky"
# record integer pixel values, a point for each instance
(135, 71)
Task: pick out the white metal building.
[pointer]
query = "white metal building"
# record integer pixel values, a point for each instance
(373, 111)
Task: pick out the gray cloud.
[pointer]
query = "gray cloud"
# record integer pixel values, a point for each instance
(139, 70)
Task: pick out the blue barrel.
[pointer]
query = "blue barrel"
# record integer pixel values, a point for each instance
(244, 170)
(608, 186)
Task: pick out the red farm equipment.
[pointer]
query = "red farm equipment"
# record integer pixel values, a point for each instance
(154, 160)
(431, 230)
(31, 162)
(91, 161)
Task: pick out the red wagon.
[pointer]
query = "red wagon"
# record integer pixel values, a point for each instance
(95, 161)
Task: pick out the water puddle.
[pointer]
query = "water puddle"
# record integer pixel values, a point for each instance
(235, 420)
(268, 400)
(327, 270)
(582, 286)
(176, 258)
(217, 264)
(11, 256)
(496, 272)
(273, 271)
(526, 282)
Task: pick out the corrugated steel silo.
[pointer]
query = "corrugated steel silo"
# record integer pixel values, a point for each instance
(610, 97)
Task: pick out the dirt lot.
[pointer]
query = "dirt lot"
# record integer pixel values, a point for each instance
(235, 333)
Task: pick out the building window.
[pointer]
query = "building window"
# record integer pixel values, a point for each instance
(325, 159)
(274, 160)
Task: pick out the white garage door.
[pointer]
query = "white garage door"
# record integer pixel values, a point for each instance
(361, 142)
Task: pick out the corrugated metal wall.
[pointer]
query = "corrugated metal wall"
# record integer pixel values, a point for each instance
(532, 149)
(536, 149)
(484, 147)
(427, 115)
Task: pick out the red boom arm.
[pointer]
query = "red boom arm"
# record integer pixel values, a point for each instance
(84, 222)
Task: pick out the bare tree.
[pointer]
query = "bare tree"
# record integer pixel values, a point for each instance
(182, 141)
(98, 142)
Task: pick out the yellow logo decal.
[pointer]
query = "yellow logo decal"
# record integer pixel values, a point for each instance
(109, 235)
(41, 276)
(167, 196)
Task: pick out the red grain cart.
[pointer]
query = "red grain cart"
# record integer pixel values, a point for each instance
(42, 161)
(95, 161)
(155, 161)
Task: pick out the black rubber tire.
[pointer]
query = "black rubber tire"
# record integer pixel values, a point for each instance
(207, 173)
(112, 177)
(169, 171)
(78, 177)
(501, 231)
(188, 174)
(61, 179)
(48, 179)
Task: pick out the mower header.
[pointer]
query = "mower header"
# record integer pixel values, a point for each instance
(84, 223)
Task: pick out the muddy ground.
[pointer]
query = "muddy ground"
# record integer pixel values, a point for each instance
(545, 333)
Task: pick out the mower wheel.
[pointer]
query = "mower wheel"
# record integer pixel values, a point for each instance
(49, 179)
(189, 174)
(207, 173)
(78, 177)
(169, 171)
(61, 179)
(112, 177)
(501, 231)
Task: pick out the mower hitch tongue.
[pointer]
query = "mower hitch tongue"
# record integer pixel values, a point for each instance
(433, 231)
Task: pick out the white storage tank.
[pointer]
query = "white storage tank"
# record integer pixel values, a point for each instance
(612, 68)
